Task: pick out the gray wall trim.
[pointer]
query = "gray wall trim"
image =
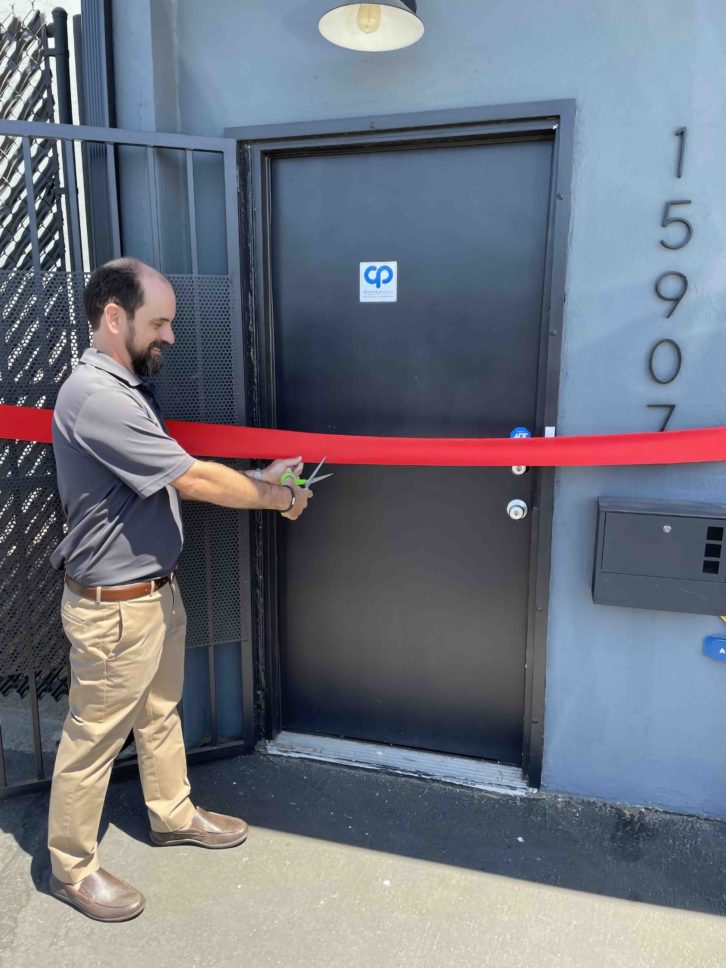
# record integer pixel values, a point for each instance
(534, 110)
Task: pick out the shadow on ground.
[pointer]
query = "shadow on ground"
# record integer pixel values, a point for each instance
(633, 854)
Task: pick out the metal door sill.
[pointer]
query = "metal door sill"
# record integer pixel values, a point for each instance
(458, 770)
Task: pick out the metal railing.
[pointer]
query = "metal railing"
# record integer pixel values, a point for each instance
(151, 200)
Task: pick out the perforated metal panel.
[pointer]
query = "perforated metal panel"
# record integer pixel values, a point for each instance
(42, 335)
(198, 384)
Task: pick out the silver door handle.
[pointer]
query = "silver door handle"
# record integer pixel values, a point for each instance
(517, 510)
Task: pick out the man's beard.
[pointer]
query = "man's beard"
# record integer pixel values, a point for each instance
(144, 362)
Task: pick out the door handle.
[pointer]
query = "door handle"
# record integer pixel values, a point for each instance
(517, 510)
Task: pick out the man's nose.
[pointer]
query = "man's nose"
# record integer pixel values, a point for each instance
(169, 336)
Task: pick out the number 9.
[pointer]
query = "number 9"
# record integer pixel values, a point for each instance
(671, 299)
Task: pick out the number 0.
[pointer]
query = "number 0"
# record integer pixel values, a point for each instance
(678, 360)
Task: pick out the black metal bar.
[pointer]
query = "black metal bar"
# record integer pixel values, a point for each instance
(541, 482)
(35, 246)
(232, 201)
(59, 32)
(78, 61)
(73, 225)
(113, 200)
(210, 625)
(99, 105)
(73, 220)
(153, 206)
(254, 163)
(3, 775)
(35, 716)
(116, 136)
(557, 245)
(194, 250)
(189, 155)
(212, 695)
(32, 218)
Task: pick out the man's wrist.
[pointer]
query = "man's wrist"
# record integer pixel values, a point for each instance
(291, 505)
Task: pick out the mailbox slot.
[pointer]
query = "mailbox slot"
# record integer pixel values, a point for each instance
(661, 555)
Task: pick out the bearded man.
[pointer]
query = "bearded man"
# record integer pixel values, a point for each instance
(120, 477)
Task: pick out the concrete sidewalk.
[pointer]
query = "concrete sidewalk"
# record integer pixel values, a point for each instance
(351, 868)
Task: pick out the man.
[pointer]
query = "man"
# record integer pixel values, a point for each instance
(120, 476)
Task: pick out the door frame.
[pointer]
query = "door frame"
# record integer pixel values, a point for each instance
(258, 147)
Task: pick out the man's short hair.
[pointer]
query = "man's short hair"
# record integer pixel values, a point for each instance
(114, 282)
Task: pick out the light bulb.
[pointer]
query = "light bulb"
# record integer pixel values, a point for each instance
(369, 17)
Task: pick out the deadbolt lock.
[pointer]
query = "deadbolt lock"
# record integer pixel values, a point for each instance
(517, 510)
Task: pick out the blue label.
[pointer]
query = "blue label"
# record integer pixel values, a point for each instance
(520, 432)
(714, 646)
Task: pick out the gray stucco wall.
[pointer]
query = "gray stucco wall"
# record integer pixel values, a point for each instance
(634, 711)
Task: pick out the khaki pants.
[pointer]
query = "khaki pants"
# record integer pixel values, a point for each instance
(127, 671)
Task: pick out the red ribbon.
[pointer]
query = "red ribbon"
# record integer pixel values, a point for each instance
(221, 440)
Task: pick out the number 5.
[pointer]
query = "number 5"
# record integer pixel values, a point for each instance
(667, 220)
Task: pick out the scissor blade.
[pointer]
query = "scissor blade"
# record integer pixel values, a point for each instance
(317, 480)
(312, 476)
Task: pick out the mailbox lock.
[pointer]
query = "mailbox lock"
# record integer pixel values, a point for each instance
(517, 510)
(667, 528)
(518, 470)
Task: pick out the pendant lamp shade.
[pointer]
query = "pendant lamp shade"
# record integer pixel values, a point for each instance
(386, 25)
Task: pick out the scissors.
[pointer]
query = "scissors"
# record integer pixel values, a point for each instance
(301, 482)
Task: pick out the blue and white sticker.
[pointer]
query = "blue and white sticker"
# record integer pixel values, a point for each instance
(378, 281)
(714, 646)
(520, 433)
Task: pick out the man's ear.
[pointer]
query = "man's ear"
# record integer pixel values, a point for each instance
(112, 316)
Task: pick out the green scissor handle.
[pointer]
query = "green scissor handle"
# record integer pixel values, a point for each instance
(288, 475)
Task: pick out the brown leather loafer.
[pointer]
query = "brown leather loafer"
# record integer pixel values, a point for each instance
(100, 896)
(206, 829)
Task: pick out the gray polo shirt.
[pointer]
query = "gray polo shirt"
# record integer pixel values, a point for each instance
(114, 460)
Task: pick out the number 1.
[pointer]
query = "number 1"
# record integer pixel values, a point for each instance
(681, 133)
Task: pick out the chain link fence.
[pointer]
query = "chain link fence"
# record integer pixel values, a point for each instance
(26, 94)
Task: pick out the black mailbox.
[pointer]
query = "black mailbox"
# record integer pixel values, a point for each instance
(660, 555)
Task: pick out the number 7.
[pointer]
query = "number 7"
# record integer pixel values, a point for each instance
(670, 407)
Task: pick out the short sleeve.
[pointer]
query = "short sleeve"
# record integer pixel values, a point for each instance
(120, 433)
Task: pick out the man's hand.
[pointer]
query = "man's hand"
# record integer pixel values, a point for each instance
(302, 496)
(217, 484)
(274, 471)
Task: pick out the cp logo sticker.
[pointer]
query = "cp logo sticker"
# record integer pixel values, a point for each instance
(378, 276)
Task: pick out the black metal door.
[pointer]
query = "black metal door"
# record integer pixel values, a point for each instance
(403, 592)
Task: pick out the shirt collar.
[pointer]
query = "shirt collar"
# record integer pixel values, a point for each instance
(104, 362)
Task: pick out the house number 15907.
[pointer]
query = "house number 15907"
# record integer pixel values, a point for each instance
(666, 357)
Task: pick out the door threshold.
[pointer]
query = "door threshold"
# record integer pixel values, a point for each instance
(459, 770)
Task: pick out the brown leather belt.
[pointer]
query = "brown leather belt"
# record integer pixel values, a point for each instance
(119, 593)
